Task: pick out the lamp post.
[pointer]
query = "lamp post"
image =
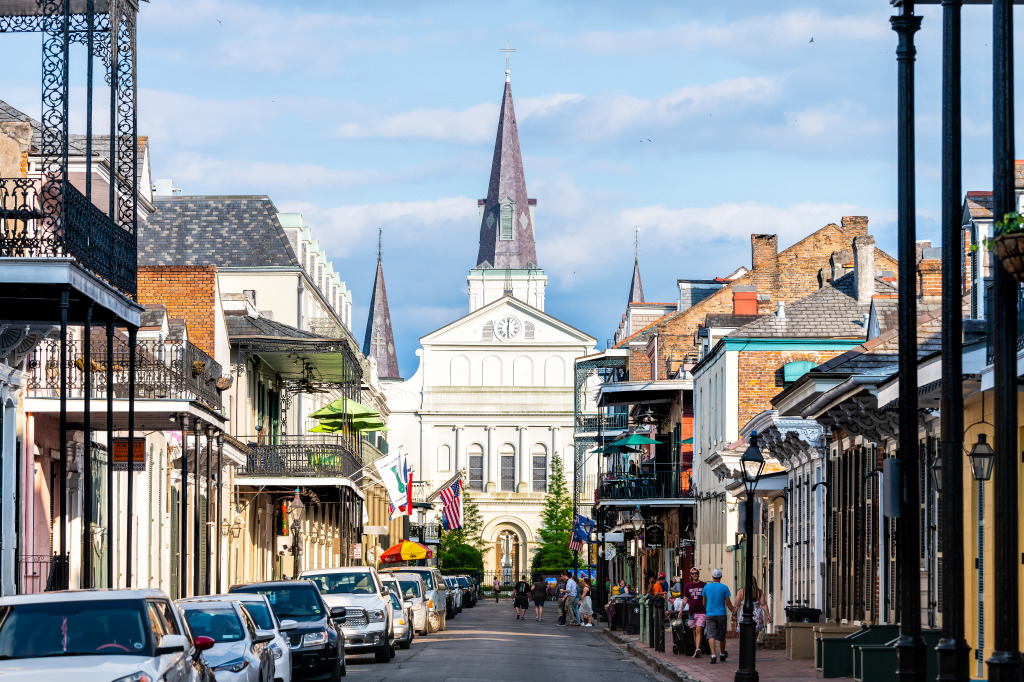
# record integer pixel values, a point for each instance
(753, 464)
(981, 458)
(637, 521)
(295, 509)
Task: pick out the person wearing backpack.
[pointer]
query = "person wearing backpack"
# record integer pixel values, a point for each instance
(521, 597)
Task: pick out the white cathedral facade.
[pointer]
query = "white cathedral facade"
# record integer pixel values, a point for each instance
(493, 393)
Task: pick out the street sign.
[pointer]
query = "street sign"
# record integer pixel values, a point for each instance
(120, 455)
(609, 552)
(654, 536)
(357, 550)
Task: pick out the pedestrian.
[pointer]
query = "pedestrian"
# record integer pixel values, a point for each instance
(497, 589)
(561, 599)
(692, 597)
(663, 583)
(571, 592)
(716, 600)
(677, 587)
(761, 614)
(538, 594)
(586, 605)
(521, 597)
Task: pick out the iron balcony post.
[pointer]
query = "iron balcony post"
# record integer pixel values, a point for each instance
(133, 342)
(183, 548)
(196, 529)
(86, 579)
(209, 504)
(65, 295)
(109, 516)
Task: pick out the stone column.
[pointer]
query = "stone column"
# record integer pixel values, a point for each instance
(458, 448)
(523, 485)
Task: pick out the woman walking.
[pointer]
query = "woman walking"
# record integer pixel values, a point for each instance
(538, 594)
(497, 589)
(586, 605)
(762, 616)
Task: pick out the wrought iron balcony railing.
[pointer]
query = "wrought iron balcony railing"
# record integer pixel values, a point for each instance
(602, 422)
(428, 533)
(666, 482)
(174, 370)
(306, 455)
(71, 226)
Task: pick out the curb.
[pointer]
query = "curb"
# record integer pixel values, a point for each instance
(666, 669)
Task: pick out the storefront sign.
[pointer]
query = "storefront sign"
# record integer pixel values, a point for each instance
(609, 552)
(120, 455)
(654, 536)
(357, 550)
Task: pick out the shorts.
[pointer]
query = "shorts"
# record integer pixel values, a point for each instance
(538, 602)
(696, 620)
(717, 627)
(521, 602)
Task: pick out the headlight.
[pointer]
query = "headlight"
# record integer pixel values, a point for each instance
(135, 677)
(235, 666)
(375, 616)
(278, 651)
(314, 638)
(430, 603)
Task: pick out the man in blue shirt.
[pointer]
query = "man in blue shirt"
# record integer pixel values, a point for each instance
(716, 599)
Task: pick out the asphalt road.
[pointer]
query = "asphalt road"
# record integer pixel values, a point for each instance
(486, 642)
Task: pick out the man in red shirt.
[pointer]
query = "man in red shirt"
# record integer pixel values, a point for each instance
(692, 597)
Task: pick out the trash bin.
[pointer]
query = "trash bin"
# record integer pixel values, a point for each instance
(802, 614)
(631, 617)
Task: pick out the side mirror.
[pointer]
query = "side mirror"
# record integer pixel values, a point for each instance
(287, 625)
(408, 604)
(203, 643)
(263, 636)
(171, 644)
(338, 613)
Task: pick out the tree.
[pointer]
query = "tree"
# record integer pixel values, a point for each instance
(461, 559)
(556, 524)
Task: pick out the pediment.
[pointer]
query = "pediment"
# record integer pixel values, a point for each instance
(528, 326)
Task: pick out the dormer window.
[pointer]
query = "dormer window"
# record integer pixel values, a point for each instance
(508, 210)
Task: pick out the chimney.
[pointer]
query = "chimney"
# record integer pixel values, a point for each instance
(855, 224)
(764, 248)
(929, 275)
(781, 312)
(744, 300)
(864, 268)
(838, 260)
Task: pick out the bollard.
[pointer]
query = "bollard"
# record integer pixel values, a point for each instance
(658, 623)
(644, 619)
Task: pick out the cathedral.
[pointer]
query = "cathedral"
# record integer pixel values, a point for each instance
(493, 394)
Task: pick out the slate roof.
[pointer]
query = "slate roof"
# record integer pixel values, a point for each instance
(636, 287)
(979, 204)
(226, 231)
(507, 181)
(830, 312)
(380, 340)
(728, 320)
(880, 355)
(244, 325)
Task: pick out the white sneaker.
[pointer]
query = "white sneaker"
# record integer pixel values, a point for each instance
(589, 625)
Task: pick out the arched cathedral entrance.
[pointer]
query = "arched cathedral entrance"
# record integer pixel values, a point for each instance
(508, 554)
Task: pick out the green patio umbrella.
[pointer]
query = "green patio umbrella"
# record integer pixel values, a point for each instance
(338, 423)
(344, 407)
(636, 439)
(613, 449)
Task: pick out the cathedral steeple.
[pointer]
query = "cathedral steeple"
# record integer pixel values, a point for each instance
(636, 288)
(380, 341)
(506, 221)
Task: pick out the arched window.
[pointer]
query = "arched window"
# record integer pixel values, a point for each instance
(508, 209)
(444, 458)
(476, 466)
(507, 459)
(539, 457)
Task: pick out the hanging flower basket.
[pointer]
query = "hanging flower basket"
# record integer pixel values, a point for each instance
(198, 367)
(1010, 249)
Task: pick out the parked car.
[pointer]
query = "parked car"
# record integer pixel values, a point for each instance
(468, 593)
(92, 635)
(258, 607)
(436, 596)
(401, 621)
(456, 594)
(318, 641)
(240, 652)
(368, 623)
(413, 591)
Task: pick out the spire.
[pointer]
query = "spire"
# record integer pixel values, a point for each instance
(636, 288)
(380, 341)
(506, 223)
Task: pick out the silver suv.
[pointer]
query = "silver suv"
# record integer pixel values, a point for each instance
(368, 615)
(436, 595)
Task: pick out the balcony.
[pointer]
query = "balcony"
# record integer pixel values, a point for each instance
(164, 370)
(306, 455)
(428, 533)
(602, 422)
(663, 482)
(70, 227)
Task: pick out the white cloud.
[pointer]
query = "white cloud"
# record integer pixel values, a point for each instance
(473, 125)
(199, 173)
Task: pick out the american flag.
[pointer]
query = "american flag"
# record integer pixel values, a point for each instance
(451, 497)
(575, 543)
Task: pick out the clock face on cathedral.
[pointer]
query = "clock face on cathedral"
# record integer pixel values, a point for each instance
(507, 328)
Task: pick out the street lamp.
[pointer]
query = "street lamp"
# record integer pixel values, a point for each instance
(981, 457)
(752, 463)
(295, 509)
(936, 469)
(637, 519)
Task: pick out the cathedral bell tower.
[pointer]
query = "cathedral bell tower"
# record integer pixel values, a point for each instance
(507, 258)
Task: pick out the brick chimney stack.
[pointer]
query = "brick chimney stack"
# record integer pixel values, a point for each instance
(837, 261)
(764, 248)
(929, 275)
(864, 268)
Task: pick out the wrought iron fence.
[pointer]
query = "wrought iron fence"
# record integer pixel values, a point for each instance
(602, 422)
(163, 370)
(40, 573)
(659, 483)
(301, 455)
(72, 227)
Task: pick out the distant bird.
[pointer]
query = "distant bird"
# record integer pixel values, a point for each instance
(648, 139)
(812, 40)
(220, 22)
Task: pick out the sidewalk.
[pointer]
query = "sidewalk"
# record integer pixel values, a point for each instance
(771, 663)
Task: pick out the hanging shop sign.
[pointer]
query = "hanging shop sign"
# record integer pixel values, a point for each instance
(120, 455)
(654, 535)
(609, 552)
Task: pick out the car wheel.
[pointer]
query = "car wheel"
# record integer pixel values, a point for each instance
(339, 672)
(433, 622)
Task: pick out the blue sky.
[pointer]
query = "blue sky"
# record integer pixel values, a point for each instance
(367, 115)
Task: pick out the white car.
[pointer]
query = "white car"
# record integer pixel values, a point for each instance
(258, 607)
(413, 591)
(241, 653)
(97, 636)
(401, 622)
(367, 623)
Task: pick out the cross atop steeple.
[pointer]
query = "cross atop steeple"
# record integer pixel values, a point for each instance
(636, 243)
(380, 237)
(508, 51)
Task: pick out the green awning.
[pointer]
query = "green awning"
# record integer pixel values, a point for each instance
(344, 407)
(688, 441)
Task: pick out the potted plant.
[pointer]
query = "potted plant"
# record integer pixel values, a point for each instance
(198, 367)
(1008, 244)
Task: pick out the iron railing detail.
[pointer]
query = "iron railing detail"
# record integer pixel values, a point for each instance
(990, 321)
(315, 455)
(427, 533)
(163, 370)
(602, 422)
(663, 482)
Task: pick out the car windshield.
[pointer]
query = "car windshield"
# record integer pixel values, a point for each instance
(74, 628)
(428, 579)
(296, 602)
(260, 614)
(395, 603)
(220, 623)
(410, 588)
(343, 583)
